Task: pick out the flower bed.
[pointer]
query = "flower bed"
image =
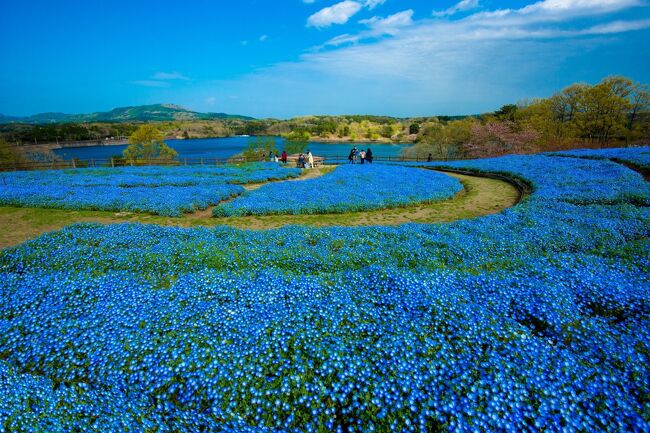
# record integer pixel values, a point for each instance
(639, 156)
(534, 319)
(349, 188)
(168, 191)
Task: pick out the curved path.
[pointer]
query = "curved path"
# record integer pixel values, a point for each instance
(481, 196)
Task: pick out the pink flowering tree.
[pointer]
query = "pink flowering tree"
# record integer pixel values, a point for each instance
(499, 138)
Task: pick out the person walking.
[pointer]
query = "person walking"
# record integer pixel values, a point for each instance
(301, 161)
(429, 158)
(355, 154)
(351, 157)
(362, 156)
(284, 157)
(310, 159)
(369, 156)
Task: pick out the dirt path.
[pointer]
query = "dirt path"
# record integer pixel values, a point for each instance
(481, 196)
(305, 175)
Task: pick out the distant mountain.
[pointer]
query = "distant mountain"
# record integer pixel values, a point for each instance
(140, 113)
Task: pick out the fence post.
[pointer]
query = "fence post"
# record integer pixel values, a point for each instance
(112, 162)
(74, 163)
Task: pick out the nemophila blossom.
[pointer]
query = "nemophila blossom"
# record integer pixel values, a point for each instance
(348, 188)
(167, 191)
(635, 155)
(533, 319)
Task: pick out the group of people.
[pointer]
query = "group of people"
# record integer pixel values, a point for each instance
(304, 160)
(282, 158)
(362, 155)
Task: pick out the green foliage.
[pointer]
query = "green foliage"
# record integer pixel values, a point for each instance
(442, 140)
(253, 127)
(9, 154)
(506, 112)
(259, 148)
(387, 131)
(608, 112)
(297, 142)
(146, 144)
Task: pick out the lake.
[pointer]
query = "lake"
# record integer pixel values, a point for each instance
(226, 147)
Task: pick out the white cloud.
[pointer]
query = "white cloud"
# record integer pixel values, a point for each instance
(434, 66)
(391, 23)
(377, 26)
(592, 6)
(210, 100)
(616, 27)
(169, 76)
(339, 13)
(308, 1)
(371, 4)
(263, 38)
(553, 10)
(461, 6)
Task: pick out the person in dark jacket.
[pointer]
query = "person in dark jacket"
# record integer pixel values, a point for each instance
(429, 158)
(369, 156)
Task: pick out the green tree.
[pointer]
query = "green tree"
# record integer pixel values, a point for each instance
(506, 112)
(387, 131)
(603, 110)
(259, 148)
(297, 142)
(146, 144)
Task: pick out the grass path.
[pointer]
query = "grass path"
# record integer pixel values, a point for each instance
(481, 196)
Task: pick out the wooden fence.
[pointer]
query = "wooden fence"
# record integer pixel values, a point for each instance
(118, 162)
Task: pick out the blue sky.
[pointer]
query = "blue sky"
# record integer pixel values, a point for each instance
(285, 58)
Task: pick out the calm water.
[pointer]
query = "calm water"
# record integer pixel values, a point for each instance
(227, 147)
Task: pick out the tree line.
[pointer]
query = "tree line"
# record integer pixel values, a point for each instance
(614, 112)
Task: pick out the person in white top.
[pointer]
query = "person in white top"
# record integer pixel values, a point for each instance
(310, 159)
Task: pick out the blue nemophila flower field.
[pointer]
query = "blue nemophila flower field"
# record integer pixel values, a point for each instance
(348, 188)
(636, 155)
(168, 191)
(534, 319)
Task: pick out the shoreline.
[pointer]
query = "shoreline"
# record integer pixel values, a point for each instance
(121, 142)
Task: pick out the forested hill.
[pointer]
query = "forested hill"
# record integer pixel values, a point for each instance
(141, 113)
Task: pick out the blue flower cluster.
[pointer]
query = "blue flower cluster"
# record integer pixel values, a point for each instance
(639, 156)
(534, 319)
(572, 180)
(348, 188)
(167, 191)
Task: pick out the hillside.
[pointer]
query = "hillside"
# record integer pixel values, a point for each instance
(141, 113)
